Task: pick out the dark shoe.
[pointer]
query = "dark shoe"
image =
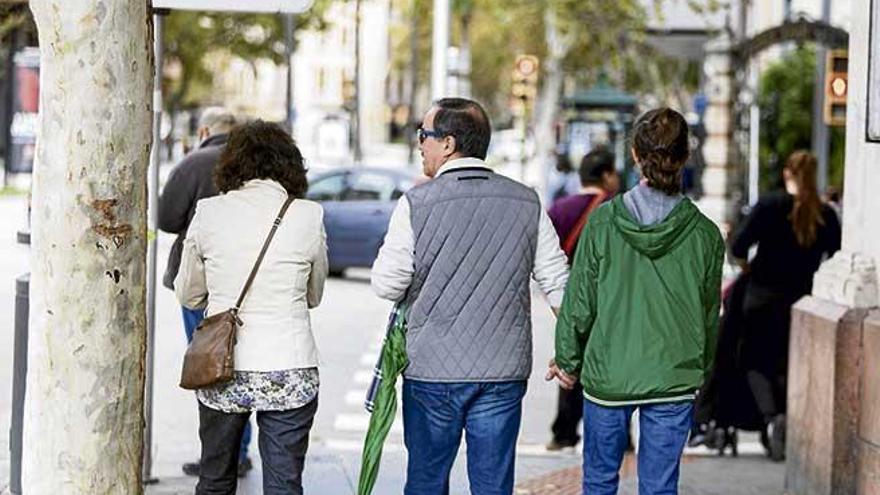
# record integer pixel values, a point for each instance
(245, 466)
(192, 468)
(700, 434)
(776, 437)
(557, 445)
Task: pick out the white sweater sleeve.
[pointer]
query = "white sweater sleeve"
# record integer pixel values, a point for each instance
(190, 285)
(551, 267)
(394, 267)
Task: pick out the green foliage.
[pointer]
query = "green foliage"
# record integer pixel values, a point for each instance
(15, 16)
(786, 102)
(602, 35)
(191, 37)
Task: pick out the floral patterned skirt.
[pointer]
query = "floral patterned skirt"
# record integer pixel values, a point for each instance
(262, 391)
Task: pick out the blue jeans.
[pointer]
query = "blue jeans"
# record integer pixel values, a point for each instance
(191, 320)
(434, 415)
(663, 431)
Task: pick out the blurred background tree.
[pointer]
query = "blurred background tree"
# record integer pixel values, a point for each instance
(191, 37)
(785, 98)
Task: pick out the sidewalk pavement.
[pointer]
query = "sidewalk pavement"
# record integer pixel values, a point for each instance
(745, 475)
(333, 472)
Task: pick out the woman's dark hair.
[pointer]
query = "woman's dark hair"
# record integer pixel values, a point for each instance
(261, 150)
(563, 163)
(660, 141)
(595, 165)
(467, 122)
(806, 216)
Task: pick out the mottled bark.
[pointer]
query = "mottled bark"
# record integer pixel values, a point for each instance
(84, 409)
(547, 104)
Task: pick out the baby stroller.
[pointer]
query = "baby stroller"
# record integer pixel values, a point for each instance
(726, 403)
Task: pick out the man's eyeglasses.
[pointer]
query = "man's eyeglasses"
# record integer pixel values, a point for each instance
(425, 134)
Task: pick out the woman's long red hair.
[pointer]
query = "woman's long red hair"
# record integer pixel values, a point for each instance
(806, 216)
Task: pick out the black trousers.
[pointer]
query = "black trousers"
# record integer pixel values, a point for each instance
(765, 351)
(569, 411)
(283, 440)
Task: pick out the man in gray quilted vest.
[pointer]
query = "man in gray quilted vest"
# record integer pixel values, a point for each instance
(460, 252)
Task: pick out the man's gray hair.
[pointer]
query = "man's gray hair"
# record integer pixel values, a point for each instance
(218, 120)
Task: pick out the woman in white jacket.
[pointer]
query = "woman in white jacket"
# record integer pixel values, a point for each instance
(276, 361)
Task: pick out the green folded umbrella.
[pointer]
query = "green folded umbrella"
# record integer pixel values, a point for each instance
(382, 397)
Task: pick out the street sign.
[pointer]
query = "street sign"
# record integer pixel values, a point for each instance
(268, 6)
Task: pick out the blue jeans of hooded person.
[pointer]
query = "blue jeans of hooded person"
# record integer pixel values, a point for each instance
(663, 431)
(191, 320)
(434, 416)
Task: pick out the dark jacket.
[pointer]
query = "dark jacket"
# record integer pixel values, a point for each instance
(191, 180)
(782, 267)
(640, 314)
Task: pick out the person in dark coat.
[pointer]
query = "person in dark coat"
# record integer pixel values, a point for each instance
(191, 180)
(599, 182)
(793, 231)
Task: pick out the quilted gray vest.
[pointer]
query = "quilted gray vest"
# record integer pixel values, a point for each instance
(476, 234)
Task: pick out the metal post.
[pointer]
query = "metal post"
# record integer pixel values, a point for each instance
(19, 377)
(439, 49)
(821, 135)
(152, 208)
(754, 148)
(289, 45)
(411, 116)
(356, 121)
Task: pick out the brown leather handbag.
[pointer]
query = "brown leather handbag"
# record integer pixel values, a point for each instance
(209, 358)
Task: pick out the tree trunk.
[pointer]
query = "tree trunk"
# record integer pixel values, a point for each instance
(84, 413)
(547, 105)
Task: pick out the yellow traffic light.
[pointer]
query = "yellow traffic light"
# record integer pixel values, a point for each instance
(836, 87)
(524, 88)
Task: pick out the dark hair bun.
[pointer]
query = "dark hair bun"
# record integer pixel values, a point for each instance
(660, 141)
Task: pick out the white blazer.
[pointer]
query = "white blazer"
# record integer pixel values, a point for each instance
(221, 246)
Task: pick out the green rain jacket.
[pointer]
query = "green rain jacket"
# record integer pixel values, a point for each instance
(640, 315)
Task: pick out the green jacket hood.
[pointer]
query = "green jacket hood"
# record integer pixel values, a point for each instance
(655, 240)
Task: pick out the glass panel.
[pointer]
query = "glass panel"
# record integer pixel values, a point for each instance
(327, 188)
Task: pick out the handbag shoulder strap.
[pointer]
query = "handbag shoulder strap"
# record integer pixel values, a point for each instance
(250, 279)
(571, 239)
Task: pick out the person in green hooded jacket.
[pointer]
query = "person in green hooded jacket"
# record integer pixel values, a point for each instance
(639, 318)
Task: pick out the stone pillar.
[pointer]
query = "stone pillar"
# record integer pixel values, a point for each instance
(720, 178)
(833, 420)
(823, 391)
(868, 440)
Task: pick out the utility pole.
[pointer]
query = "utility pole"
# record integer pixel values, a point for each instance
(439, 49)
(289, 45)
(821, 135)
(356, 121)
(412, 122)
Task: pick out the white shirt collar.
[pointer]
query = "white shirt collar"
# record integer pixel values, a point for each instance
(462, 163)
(264, 185)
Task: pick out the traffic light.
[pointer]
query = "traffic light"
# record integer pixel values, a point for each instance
(836, 87)
(525, 82)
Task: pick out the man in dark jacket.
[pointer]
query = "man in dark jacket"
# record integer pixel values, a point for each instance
(191, 180)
